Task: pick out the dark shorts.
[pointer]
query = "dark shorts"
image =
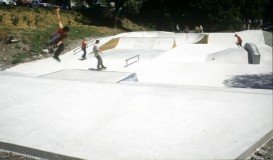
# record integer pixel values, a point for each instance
(55, 39)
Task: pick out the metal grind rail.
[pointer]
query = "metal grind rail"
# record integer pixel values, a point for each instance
(128, 60)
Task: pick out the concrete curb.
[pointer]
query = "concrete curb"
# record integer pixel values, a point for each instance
(249, 152)
(26, 151)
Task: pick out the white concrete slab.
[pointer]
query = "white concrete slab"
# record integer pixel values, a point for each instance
(180, 38)
(184, 106)
(114, 121)
(90, 75)
(229, 56)
(209, 74)
(145, 43)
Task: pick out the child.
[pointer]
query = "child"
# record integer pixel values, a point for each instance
(84, 44)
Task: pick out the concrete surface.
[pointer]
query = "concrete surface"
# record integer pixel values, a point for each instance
(119, 121)
(183, 106)
(90, 75)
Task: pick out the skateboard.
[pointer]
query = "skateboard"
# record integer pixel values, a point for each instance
(82, 59)
(93, 69)
(101, 69)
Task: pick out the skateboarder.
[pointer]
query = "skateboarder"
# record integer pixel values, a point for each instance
(97, 53)
(239, 41)
(56, 40)
(84, 44)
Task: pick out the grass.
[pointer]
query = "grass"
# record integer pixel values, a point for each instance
(34, 26)
(18, 58)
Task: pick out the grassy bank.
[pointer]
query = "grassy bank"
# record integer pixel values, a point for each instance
(34, 26)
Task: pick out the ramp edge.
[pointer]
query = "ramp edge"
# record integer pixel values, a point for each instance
(34, 153)
(251, 150)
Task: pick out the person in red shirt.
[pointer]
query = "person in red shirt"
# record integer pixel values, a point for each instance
(56, 40)
(84, 44)
(239, 41)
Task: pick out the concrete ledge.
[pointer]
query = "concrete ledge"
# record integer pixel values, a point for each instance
(248, 153)
(30, 152)
(254, 55)
(204, 40)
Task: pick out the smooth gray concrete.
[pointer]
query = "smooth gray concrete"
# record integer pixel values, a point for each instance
(253, 53)
(90, 75)
(183, 107)
(123, 121)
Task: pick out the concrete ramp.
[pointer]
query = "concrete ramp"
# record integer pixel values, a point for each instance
(156, 43)
(91, 76)
(250, 36)
(121, 121)
(192, 38)
(229, 56)
(180, 38)
(150, 34)
(222, 38)
(189, 53)
(188, 38)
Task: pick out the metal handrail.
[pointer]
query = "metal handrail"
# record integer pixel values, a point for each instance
(127, 64)
(89, 44)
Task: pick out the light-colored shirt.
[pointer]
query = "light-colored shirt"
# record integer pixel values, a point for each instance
(95, 50)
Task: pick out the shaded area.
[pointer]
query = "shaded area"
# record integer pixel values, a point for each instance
(259, 81)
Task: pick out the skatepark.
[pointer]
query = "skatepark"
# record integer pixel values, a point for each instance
(163, 95)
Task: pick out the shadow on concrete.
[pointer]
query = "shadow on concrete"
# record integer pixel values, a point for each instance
(258, 81)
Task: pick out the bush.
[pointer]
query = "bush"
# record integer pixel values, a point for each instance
(14, 20)
(227, 21)
(18, 58)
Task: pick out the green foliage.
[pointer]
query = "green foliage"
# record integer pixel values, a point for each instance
(227, 20)
(18, 58)
(17, 46)
(14, 20)
(79, 32)
(1, 18)
(27, 20)
(37, 10)
(133, 6)
(37, 20)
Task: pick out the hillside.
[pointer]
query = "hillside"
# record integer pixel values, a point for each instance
(33, 27)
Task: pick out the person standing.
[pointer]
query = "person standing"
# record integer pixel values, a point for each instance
(196, 29)
(97, 53)
(56, 40)
(177, 28)
(84, 44)
(239, 41)
(261, 24)
(249, 24)
(201, 28)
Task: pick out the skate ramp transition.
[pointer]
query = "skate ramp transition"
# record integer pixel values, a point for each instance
(91, 76)
(153, 43)
(250, 36)
(180, 38)
(153, 40)
(229, 56)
